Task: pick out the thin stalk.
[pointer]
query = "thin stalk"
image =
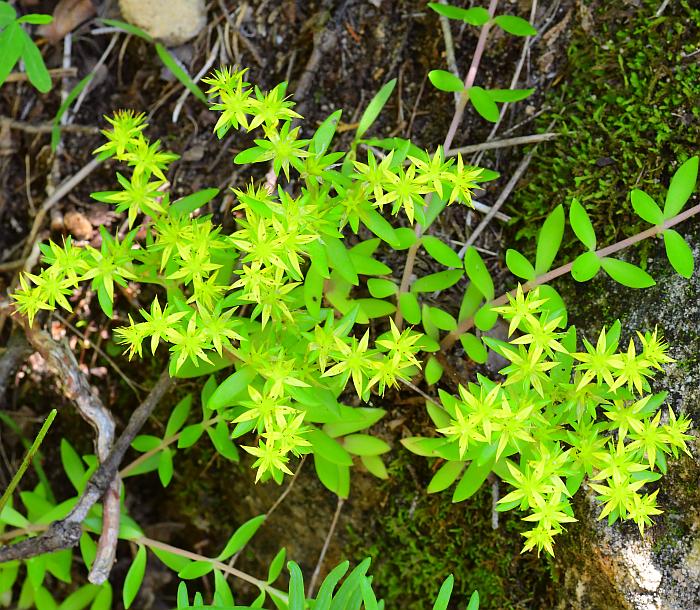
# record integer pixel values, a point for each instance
(166, 442)
(451, 132)
(326, 543)
(29, 456)
(545, 278)
(261, 584)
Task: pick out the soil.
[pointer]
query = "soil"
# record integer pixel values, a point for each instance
(376, 40)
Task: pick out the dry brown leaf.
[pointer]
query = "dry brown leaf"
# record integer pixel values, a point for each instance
(67, 16)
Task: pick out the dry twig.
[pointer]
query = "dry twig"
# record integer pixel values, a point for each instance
(66, 532)
(75, 386)
(16, 352)
(324, 549)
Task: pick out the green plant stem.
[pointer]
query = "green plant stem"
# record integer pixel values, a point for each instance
(156, 544)
(451, 132)
(166, 442)
(27, 459)
(468, 323)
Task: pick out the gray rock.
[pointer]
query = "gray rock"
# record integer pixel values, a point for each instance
(173, 22)
(610, 567)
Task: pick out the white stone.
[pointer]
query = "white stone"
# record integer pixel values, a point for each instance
(170, 21)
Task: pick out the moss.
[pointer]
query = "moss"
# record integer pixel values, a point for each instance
(419, 539)
(627, 111)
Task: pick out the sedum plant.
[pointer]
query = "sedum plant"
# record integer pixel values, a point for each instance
(299, 309)
(558, 417)
(254, 299)
(284, 301)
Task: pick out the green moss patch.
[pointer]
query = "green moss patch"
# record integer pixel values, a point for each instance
(627, 109)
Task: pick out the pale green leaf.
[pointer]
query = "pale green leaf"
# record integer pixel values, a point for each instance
(478, 273)
(681, 187)
(549, 240)
(679, 253)
(627, 274)
(445, 81)
(519, 265)
(581, 224)
(483, 104)
(374, 108)
(646, 207)
(134, 577)
(515, 25)
(585, 266)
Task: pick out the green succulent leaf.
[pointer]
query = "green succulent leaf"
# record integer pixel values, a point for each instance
(515, 25)
(443, 598)
(445, 476)
(296, 587)
(375, 465)
(365, 444)
(134, 577)
(433, 371)
(478, 273)
(485, 319)
(445, 81)
(581, 224)
(472, 479)
(509, 95)
(374, 108)
(681, 187)
(474, 347)
(410, 308)
(646, 207)
(441, 252)
(241, 537)
(35, 66)
(679, 253)
(11, 46)
(35, 19)
(519, 265)
(626, 273)
(483, 104)
(276, 566)
(585, 266)
(7, 14)
(437, 281)
(476, 15)
(549, 240)
(381, 288)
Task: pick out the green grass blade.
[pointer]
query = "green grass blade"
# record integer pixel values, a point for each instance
(27, 458)
(179, 73)
(70, 98)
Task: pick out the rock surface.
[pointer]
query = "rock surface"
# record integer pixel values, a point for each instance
(172, 22)
(613, 567)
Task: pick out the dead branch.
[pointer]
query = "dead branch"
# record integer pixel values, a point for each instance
(66, 533)
(16, 352)
(75, 386)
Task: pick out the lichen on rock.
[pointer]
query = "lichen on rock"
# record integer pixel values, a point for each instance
(610, 567)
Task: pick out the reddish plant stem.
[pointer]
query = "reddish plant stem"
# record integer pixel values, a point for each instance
(469, 80)
(451, 132)
(468, 323)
